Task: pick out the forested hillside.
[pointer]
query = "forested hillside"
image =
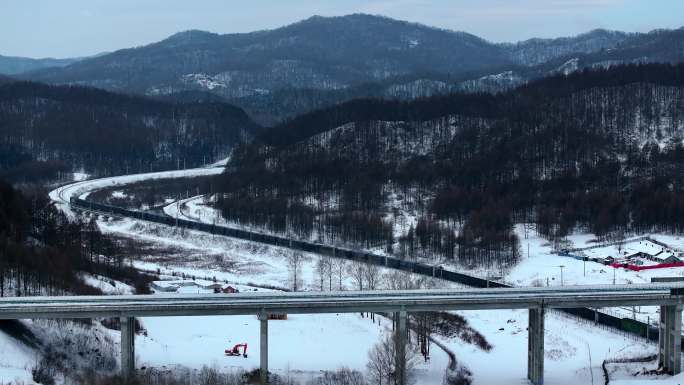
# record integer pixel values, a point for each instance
(48, 129)
(42, 252)
(449, 176)
(538, 51)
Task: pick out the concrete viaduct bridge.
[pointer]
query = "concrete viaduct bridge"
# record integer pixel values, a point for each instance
(669, 296)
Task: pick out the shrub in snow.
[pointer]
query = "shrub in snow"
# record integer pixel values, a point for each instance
(44, 372)
(342, 376)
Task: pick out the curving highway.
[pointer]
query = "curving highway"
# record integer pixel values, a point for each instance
(63, 194)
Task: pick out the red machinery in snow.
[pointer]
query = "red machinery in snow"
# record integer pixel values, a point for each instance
(235, 351)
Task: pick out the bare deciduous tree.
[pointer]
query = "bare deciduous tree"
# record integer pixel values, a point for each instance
(294, 264)
(358, 275)
(372, 276)
(339, 267)
(399, 280)
(324, 270)
(381, 366)
(342, 376)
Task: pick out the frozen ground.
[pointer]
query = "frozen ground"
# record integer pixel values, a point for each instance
(301, 346)
(108, 286)
(574, 350)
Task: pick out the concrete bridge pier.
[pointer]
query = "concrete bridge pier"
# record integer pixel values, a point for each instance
(670, 340)
(263, 351)
(535, 347)
(127, 347)
(400, 347)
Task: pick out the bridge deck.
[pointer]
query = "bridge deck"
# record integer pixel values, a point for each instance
(655, 294)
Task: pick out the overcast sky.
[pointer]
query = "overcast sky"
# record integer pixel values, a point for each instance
(67, 28)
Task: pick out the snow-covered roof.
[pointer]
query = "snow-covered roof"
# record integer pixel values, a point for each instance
(627, 249)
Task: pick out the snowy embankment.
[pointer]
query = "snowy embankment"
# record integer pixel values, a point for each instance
(16, 360)
(674, 380)
(198, 209)
(573, 349)
(108, 286)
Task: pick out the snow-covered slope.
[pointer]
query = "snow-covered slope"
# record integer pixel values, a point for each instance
(16, 360)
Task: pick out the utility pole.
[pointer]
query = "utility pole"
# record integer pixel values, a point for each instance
(591, 370)
(177, 207)
(561, 269)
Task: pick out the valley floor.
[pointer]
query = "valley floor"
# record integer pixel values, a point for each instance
(574, 349)
(304, 345)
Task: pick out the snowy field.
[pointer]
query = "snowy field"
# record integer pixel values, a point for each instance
(108, 286)
(543, 265)
(542, 268)
(304, 345)
(300, 346)
(233, 260)
(573, 350)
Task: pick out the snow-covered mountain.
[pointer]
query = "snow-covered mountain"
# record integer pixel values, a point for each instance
(339, 58)
(538, 51)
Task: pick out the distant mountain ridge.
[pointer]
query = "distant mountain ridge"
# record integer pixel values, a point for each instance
(538, 51)
(322, 53)
(339, 58)
(12, 65)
